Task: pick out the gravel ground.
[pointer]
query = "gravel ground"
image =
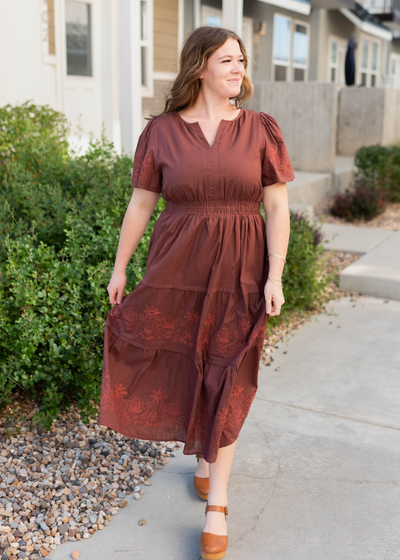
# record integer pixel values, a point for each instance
(389, 219)
(67, 483)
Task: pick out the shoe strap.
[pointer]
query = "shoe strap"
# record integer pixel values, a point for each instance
(222, 509)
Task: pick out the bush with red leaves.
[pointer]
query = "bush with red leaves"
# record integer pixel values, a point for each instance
(363, 202)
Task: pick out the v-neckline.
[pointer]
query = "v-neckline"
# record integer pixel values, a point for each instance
(200, 130)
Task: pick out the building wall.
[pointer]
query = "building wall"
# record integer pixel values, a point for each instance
(367, 116)
(165, 35)
(314, 44)
(391, 118)
(307, 114)
(327, 22)
(166, 54)
(152, 106)
(23, 73)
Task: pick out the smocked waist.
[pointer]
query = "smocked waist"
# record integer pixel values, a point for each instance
(245, 207)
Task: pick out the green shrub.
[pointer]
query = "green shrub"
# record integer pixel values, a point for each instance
(304, 278)
(363, 202)
(30, 135)
(379, 167)
(60, 220)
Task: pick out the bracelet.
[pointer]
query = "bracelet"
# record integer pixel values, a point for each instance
(274, 281)
(273, 255)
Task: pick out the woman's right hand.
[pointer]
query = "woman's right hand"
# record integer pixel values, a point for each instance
(116, 287)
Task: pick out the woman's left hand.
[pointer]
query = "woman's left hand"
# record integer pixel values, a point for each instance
(273, 297)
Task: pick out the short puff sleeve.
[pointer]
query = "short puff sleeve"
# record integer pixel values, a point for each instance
(276, 166)
(145, 174)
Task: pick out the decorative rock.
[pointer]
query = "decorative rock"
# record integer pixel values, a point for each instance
(65, 483)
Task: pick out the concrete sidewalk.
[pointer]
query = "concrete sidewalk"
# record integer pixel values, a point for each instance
(353, 239)
(377, 272)
(316, 473)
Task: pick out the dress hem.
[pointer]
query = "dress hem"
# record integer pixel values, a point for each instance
(165, 439)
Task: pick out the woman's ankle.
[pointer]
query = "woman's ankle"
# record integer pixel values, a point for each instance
(217, 499)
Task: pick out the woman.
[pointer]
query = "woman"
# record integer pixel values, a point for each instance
(182, 351)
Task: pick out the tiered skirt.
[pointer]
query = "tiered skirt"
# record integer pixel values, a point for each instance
(182, 350)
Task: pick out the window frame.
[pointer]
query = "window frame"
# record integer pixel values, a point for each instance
(147, 89)
(394, 60)
(93, 76)
(369, 72)
(305, 66)
(341, 46)
(290, 65)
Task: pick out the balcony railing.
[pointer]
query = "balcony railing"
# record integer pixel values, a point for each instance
(382, 6)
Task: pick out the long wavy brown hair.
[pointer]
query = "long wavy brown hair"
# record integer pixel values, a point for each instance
(196, 50)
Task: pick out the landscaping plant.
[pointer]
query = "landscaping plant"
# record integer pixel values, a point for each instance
(379, 167)
(363, 202)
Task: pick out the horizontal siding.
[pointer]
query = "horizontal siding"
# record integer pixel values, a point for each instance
(165, 16)
(165, 35)
(167, 59)
(172, 4)
(165, 40)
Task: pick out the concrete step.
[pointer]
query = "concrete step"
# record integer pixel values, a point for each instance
(377, 272)
(311, 187)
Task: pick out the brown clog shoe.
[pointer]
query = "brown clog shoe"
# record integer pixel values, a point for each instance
(201, 484)
(213, 547)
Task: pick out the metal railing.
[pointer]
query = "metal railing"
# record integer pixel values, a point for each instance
(381, 6)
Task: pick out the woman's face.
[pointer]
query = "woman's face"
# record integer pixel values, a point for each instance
(225, 70)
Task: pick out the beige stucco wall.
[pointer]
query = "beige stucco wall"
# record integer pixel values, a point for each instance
(367, 116)
(391, 120)
(306, 113)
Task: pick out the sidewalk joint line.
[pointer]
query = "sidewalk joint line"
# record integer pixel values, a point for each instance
(329, 413)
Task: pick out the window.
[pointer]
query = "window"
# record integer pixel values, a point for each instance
(300, 52)
(290, 50)
(337, 57)
(79, 38)
(394, 71)
(334, 61)
(215, 21)
(281, 48)
(369, 62)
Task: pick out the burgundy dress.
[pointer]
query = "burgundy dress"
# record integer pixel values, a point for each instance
(182, 350)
